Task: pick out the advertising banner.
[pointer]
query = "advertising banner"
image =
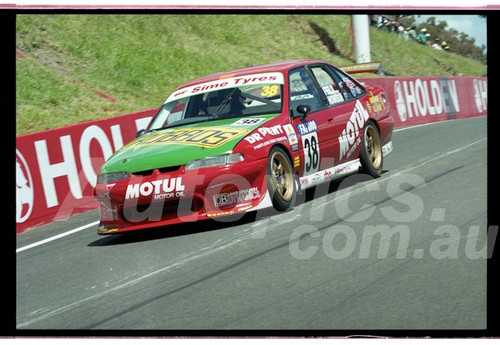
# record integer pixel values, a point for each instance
(57, 169)
(419, 100)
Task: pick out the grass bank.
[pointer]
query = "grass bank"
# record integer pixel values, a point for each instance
(78, 67)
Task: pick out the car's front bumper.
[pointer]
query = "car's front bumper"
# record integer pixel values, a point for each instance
(161, 199)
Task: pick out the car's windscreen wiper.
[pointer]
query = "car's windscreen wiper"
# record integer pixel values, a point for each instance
(187, 121)
(180, 123)
(222, 105)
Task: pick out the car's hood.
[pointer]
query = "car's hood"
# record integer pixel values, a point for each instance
(179, 145)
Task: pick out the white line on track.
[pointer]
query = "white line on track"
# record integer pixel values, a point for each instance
(185, 259)
(400, 129)
(53, 238)
(50, 239)
(406, 170)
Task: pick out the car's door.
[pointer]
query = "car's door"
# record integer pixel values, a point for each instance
(313, 129)
(345, 112)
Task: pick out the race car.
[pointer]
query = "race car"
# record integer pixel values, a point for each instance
(244, 140)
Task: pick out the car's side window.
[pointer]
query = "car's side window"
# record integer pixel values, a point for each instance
(330, 88)
(303, 91)
(350, 88)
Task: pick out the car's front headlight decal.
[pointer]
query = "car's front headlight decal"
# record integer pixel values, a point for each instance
(215, 161)
(112, 177)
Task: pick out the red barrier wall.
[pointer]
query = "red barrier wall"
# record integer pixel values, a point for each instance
(421, 100)
(56, 170)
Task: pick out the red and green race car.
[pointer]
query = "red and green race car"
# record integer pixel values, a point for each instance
(244, 140)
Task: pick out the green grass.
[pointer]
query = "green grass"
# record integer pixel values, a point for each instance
(139, 59)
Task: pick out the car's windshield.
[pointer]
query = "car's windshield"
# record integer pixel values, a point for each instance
(227, 98)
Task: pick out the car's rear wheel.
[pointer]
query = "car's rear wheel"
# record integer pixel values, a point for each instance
(281, 180)
(371, 151)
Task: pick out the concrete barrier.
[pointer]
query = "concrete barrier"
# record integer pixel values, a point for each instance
(56, 170)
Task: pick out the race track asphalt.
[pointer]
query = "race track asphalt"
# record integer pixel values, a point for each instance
(404, 251)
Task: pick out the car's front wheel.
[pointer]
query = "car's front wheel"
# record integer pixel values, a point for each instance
(281, 180)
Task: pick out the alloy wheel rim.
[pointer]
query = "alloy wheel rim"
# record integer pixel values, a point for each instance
(282, 175)
(373, 147)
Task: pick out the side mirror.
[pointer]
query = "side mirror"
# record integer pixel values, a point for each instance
(303, 110)
(141, 132)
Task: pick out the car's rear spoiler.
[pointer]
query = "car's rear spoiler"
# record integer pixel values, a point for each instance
(364, 68)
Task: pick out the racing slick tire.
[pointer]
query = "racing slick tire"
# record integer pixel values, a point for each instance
(281, 181)
(371, 151)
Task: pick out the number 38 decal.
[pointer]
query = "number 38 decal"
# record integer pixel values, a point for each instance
(269, 91)
(311, 152)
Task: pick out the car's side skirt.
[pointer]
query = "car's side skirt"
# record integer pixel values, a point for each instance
(387, 149)
(337, 171)
(329, 174)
